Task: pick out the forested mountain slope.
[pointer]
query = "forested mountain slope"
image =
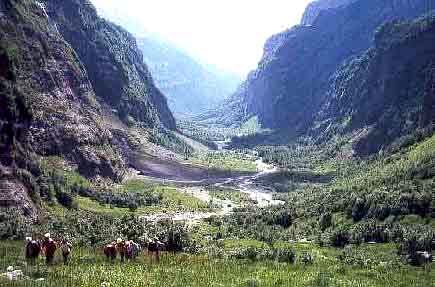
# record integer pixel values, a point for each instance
(387, 92)
(292, 81)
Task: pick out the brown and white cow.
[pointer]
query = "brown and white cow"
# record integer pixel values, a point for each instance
(49, 248)
(110, 251)
(154, 248)
(66, 248)
(33, 249)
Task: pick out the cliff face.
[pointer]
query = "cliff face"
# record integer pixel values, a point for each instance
(63, 73)
(47, 108)
(315, 8)
(113, 62)
(292, 79)
(48, 104)
(387, 92)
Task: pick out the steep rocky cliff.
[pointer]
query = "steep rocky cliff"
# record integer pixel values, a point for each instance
(315, 8)
(51, 102)
(63, 73)
(292, 79)
(113, 62)
(387, 92)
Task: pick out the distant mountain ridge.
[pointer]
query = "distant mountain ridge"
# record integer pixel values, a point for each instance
(191, 87)
(113, 61)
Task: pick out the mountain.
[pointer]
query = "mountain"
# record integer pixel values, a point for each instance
(113, 62)
(191, 87)
(65, 76)
(315, 8)
(387, 92)
(292, 81)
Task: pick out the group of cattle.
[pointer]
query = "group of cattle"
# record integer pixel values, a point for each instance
(48, 247)
(126, 249)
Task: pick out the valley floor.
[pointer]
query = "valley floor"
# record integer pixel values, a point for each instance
(89, 268)
(240, 221)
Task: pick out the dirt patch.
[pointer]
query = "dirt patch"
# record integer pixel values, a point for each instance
(14, 196)
(154, 167)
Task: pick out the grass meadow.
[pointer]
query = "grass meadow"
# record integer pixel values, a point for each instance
(89, 268)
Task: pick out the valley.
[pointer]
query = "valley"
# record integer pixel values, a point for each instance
(317, 170)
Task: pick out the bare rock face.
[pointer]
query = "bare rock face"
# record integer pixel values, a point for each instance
(59, 64)
(45, 73)
(113, 63)
(386, 91)
(13, 195)
(315, 8)
(292, 80)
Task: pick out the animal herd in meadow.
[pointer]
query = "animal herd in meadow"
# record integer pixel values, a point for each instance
(125, 249)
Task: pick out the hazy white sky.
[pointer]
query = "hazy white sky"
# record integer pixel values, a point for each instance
(227, 33)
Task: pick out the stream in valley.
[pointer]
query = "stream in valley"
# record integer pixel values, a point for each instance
(194, 181)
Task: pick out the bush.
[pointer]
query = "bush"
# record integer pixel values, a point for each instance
(325, 221)
(278, 216)
(178, 239)
(307, 258)
(359, 209)
(340, 238)
(417, 240)
(30, 183)
(284, 255)
(12, 225)
(65, 199)
(371, 231)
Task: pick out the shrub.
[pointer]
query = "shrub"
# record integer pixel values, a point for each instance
(340, 238)
(359, 209)
(278, 216)
(325, 221)
(12, 225)
(284, 255)
(177, 239)
(133, 206)
(370, 231)
(65, 199)
(307, 258)
(416, 240)
(30, 183)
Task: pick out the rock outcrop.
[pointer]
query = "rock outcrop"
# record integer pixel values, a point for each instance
(387, 91)
(52, 106)
(63, 72)
(113, 62)
(292, 80)
(315, 8)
